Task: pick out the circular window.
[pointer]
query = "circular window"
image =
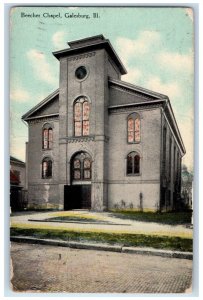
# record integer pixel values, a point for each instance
(81, 72)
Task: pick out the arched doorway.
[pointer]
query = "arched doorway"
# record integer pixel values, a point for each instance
(78, 194)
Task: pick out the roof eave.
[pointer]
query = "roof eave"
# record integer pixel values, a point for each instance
(135, 88)
(98, 45)
(39, 105)
(170, 110)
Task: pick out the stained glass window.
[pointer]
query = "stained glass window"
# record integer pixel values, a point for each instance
(130, 130)
(81, 117)
(81, 166)
(87, 163)
(76, 174)
(76, 164)
(134, 128)
(50, 138)
(47, 137)
(133, 163)
(85, 128)
(46, 168)
(86, 110)
(137, 130)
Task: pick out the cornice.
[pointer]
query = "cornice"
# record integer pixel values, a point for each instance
(78, 139)
(40, 105)
(145, 93)
(131, 107)
(40, 119)
(81, 56)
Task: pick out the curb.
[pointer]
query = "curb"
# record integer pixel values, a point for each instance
(103, 247)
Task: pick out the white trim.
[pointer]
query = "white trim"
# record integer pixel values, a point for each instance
(43, 116)
(136, 88)
(135, 104)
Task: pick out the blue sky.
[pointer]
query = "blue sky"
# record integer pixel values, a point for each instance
(155, 45)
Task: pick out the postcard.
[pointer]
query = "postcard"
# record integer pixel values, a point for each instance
(101, 149)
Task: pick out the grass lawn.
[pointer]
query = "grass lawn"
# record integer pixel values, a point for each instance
(170, 218)
(126, 239)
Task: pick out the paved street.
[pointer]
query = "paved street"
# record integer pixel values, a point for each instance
(39, 268)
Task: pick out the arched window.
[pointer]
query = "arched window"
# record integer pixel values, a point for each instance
(46, 168)
(81, 167)
(81, 117)
(134, 128)
(47, 137)
(133, 163)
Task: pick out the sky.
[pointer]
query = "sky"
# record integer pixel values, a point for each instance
(154, 44)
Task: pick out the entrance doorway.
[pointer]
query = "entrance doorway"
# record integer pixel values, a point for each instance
(77, 197)
(78, 194)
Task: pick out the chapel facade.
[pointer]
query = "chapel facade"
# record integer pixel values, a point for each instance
(100, 143)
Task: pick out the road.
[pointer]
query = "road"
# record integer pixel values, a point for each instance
(40, 268)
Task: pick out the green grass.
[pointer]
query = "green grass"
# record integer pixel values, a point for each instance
(139, 240)
(170, 218)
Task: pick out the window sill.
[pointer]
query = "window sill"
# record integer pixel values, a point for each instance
(133, 175)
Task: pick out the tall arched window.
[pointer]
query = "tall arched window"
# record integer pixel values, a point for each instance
(46, 168)
(134, 128)
(81, 117)
(81, 167)
(47, 137)
(133, 163)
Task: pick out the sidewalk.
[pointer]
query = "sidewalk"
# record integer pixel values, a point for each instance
(109, 223)
(103, 247)
(84, 222)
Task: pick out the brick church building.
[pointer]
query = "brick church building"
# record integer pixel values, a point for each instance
(100, 143)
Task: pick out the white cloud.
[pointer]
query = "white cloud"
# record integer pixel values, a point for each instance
(19, 95)
(171, 89)
(58, 39)
(176, 61)
(41, 67)
(128, 48)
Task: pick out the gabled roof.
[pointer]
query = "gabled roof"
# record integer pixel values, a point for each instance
(14, 159)
(135, 89)
(40, 105)
(149, 97)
